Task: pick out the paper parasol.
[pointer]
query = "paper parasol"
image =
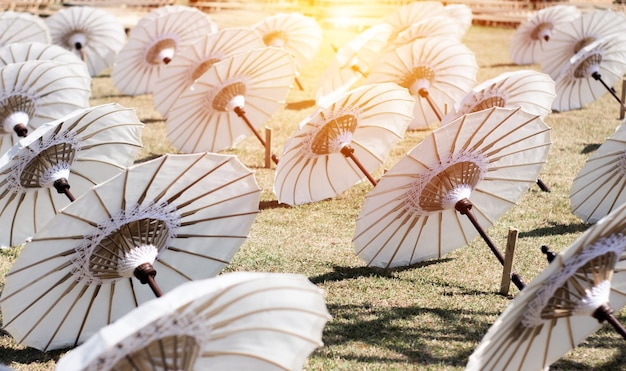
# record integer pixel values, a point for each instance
(439, 26)
(406, 15)
(22, 27)
(29, 51)
(339, 146)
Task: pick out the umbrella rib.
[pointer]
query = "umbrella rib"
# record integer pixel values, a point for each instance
(224, 185)
(67, 313)
(191, 253)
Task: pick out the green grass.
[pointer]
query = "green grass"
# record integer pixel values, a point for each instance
(429, 316)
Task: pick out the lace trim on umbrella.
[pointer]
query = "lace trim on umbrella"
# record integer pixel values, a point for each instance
(614, 244)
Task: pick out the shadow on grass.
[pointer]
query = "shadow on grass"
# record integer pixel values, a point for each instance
(592, 147)
(273, 204)
(304, 104)
(152, 121)
(346, 273)
(29, 355)
(555, 229)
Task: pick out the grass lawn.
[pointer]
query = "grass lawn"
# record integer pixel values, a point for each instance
(429, 316)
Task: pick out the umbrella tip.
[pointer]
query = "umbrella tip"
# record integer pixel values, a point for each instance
(550, 255)
(21, 130)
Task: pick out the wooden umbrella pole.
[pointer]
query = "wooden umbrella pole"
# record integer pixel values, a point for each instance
(605, 313)
(424, 94)
(598, 77)
(145, 274)
(241, 113)
(465, 208)
(349, 152)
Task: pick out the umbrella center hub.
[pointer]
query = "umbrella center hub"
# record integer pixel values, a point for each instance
(161, 52)
(542, 31)
(223, 100)
(588, 65)
(334, 135)
(131, 237)
(442, 187)
(201, 68)
(15, 110)
(420, 77)
(580, 286)
(488, 101)
(276, 39)
(582, 43)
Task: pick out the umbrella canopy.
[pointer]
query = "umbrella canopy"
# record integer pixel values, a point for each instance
(82, 149)
(29, 51)
(599, 187)
(239, 320)
(591, 73)
(182, 217)
(413, 12)
(231, 100)
(533, 36)
(437, 72)
(568, 38)
(22, 27)
(489, 157)
(563, 305)
(153, 43)
(94, 34)
(296, 33)
(196, 58)
(439, 26)
(531, 90)
(36, 92)
(338, 146)
(351, 63)
(462, 13)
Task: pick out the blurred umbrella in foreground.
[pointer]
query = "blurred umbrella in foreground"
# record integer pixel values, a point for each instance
(78, 151)
(181, 216)
(30, 51)
(240, 320)
(451, 187)
(22, 27)
(231, 100)
(563, 305)
(94, 34)
(195, 59)
(153, 43)
(339, 146)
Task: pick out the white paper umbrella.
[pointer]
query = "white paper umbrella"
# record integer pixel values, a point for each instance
(563, 305)
(180, 217)
(351, 63)
(196, 58)
(241, 320)
(339, 146)
(22, 52)
(568, 38)
(296, 33)
(530, 90)
(591, 73)
(36, 92)
(231, 100)
(153, 43)
(94, 34)
(418, 209)
(437, 71)
(79, 151)
(599, 187)
(408, 14)
(22, 27)
(439, 26)
(462, 13)
(532, 36)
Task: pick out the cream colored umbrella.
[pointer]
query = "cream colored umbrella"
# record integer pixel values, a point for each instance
(532, 37)
(439, 26)
(240, 320)
(36, 92)
(338, 146)
(352, 63)
(408, 14)
(451, 187)
(153, 43)
(563, 305)
(28, 51)
(462, 13)
(437, 71)
(22, 27)
(599, 187)
(77, 151)
(94, 34)
(196, 58)
(231, 100)
(177, 217)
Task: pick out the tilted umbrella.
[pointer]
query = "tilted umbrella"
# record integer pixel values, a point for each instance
(22, 27)
(177, 217)
(242, 320)
(29, 51)
(452, 186)
(533, 35)
(599, 187)
(564, 304)
(196, 58)
(231, 100)
(36, 92)
(352, 63)
(342, 144)
(94, 34)
(591, 73)
(78, 151)
(406, 15)
(439, 26)
(462, 13)
(437, 72)
(153, 43)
